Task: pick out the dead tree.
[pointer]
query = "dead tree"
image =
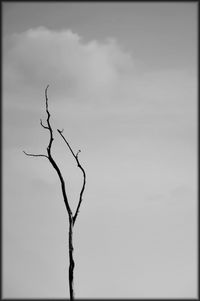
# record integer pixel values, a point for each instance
(72, 217)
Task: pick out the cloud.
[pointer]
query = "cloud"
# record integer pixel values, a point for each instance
(39, 56)
(95, 83)
(91, 72)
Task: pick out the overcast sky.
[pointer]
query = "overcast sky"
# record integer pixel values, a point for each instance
(123, 85)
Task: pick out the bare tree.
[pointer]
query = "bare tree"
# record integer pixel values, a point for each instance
(72, 217)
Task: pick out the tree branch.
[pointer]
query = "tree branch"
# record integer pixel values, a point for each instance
(45, 127)
(49, 156)
(60, 132)
(48, 124)
(52, 161)
(34, 155)
(83, 171)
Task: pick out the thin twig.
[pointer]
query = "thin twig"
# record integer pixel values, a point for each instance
(34, 155)
(60, 132)
(44, 126)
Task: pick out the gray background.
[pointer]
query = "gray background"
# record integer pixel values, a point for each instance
(123, 85)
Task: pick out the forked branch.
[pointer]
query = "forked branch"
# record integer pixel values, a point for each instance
(83, 171)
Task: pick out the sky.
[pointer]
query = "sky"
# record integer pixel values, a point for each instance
(123, 85)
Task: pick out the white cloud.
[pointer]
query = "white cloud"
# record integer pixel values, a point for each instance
(63, 59)
(91, 72)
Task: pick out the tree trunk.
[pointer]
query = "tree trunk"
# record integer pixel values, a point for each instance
(71, 260)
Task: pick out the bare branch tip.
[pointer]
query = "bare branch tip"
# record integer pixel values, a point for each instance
(27, 154)
(78, 153)
(46, 91)
(60, 131)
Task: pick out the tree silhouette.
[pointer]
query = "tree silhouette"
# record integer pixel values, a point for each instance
(72, 217)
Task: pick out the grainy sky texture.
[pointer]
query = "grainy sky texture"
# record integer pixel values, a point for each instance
(123, 85)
